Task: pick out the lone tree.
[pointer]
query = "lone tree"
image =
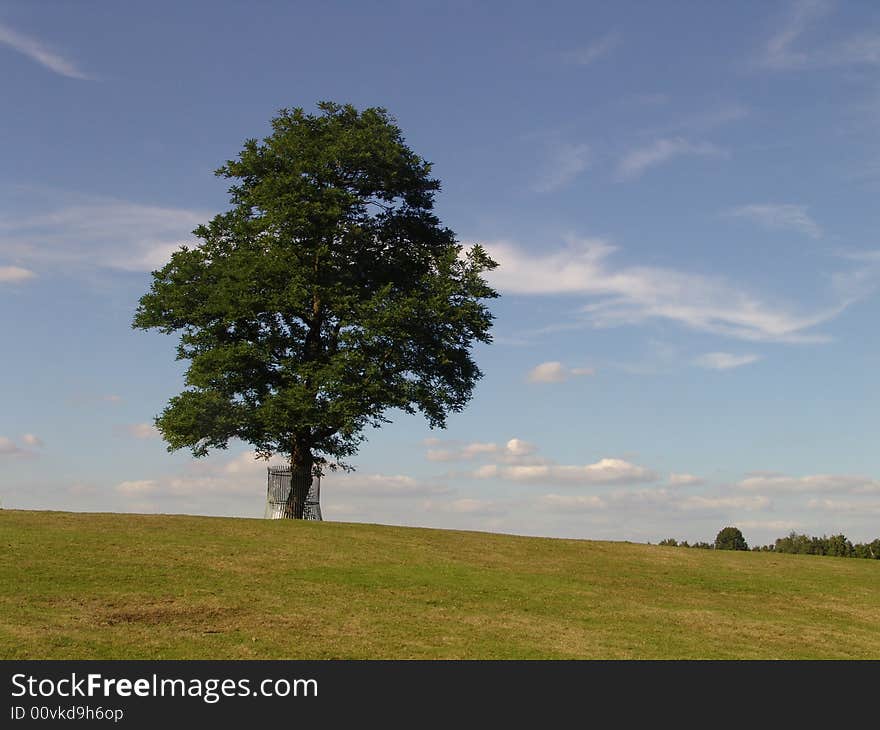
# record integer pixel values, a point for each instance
(730, 538)
(327, 295)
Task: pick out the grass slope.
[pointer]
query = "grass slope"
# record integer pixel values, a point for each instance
(88, 586)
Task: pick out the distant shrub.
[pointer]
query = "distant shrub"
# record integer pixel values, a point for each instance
(837, 545)
(730, 538)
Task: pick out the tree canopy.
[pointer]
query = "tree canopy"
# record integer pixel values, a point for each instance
(328, 294)
(730, 538)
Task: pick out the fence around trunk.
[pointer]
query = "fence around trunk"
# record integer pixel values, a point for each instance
(278, 494)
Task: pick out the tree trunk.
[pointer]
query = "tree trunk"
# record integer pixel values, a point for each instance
(301, 464)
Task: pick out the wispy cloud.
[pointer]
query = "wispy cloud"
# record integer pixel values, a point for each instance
(586, 55)
(245, 475)
(817, 483)
(140, 431)
(565, 161)
(86, 399)
(519, 461)
(786, 51)
(749, 503)
(515, 451)
(33, 440)
(855, 507)
(778, 216)
(14, 274)
(390, 486)
(724, 360)
(39, 52)
(9, 448)
(637, 161)
(465, 506)
(778, 526)
(636, 294)
(628, 501)
(684, 480)
(556, 372)
(603, 472)
(573, 502)
(97, 233)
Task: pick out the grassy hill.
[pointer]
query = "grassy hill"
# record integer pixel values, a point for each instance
(86, 586)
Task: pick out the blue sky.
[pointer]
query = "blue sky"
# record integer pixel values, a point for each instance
(682, 197)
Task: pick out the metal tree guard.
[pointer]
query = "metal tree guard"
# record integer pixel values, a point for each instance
(278, 492)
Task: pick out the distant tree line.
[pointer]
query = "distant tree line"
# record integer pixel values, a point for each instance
(730, 538)
(835, 545)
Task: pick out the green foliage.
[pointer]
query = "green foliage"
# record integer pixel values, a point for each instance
(730, 538)
(669, 542)
(327, 295)
(836, 546)
(794, 543)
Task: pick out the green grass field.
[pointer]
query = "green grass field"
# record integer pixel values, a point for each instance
(112, 586)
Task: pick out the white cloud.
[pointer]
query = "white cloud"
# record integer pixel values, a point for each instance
(573, 502)
(464, 453)
(605, 471)
(850, 484)
(487, 471)
(14, 274)
(37, 51)
(565, 162)
(464, 506)
(139, 430)
(97, 233)
(779, 216)
(597, 49)
(654, 501)
(724, 360)
(684, 480)
(778, 52)
(833, 505)
(784, 50)
(634, 294)
(241, 475)
(442, 455)
(8, 447)
(79, 489)
(478, 449)
(635, 162)
(456, 454)
(749, 503)
(245, 475)
(555, 372)
(138, 487)
(380, 485)
(518, 447)
(514, 451)
(785, 526)
(32, 440)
